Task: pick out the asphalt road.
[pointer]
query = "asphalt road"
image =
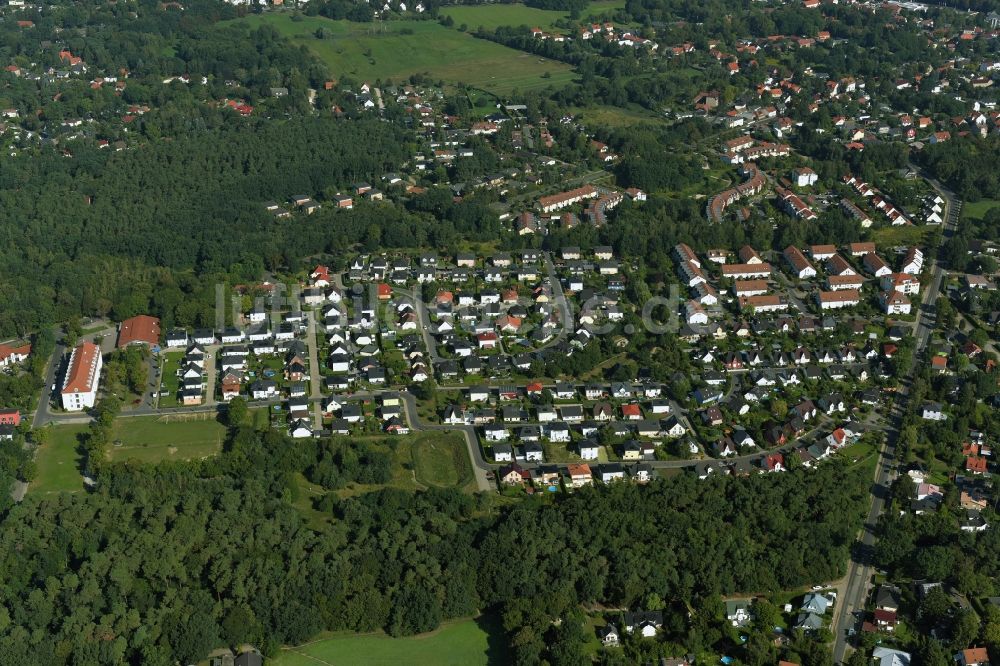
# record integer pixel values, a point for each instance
(43, 413)
(860, 570)
(315, 393)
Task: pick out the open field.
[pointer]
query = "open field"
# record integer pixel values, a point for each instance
(460, 643)
(423, 460)
(903, 235)
(441, 460)
(398, 49)
(977, 209)
(157, 438)
(610, 116)
(492, 17)
(58, 462)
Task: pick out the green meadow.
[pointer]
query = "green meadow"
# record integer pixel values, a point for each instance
(398, 49)
(463, 643)
(493, 16)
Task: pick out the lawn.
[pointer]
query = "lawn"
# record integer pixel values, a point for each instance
(157, 438)
(398, 49)
(977, 209)
(903, 235)
(441, 460)
(460, 643)
(611, 116)
(560, 453)
(492, 17)
(58, 463)
(170, 365)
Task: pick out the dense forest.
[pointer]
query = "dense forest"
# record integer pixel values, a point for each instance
(165, 563)
(966, 165)
(84, 243)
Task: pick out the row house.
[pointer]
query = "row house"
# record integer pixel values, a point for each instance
(913, 262)
(763, 303)
(746, 271)
(799, 264)
(842, 298)
(748, 288)
(822, 252)
(794, 206)
(856, 213)
(563, 199)
(839, 282)
(875, 265)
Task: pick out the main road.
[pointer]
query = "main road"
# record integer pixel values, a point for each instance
(860, 569)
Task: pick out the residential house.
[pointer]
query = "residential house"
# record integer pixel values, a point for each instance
(738, 612)
(579, 475)
(815, 603)
(933, 411)
(889, 657)
(588, 449)
(893, 302)
(976, 656)
(800, 266)
(513, 475)
(609, 636)
(646, 623)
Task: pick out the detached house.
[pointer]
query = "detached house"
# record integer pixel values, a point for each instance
(579, 475)
(973, 657)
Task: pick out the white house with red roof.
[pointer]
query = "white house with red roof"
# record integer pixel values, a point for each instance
(10, 355)
(901, 282)
(894, 302)
(320, 277)
(79, 389)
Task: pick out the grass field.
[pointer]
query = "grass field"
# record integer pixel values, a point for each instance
(441, 460)
(147, 439)
(397, 49)
(977, 209)
(58, 462)
(424, 460)
(493, 16)
(476, 642)
(151, 439)
(903, 235)
(611, 116)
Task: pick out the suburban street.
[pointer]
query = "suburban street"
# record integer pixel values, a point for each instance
(315, 394)
(860, 569)
(560, 302)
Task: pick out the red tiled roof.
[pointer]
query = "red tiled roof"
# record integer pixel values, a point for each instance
(139, 329)
(85, 356)
(975, 656)
(975, 464)
(7, 351)
(840, 296)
